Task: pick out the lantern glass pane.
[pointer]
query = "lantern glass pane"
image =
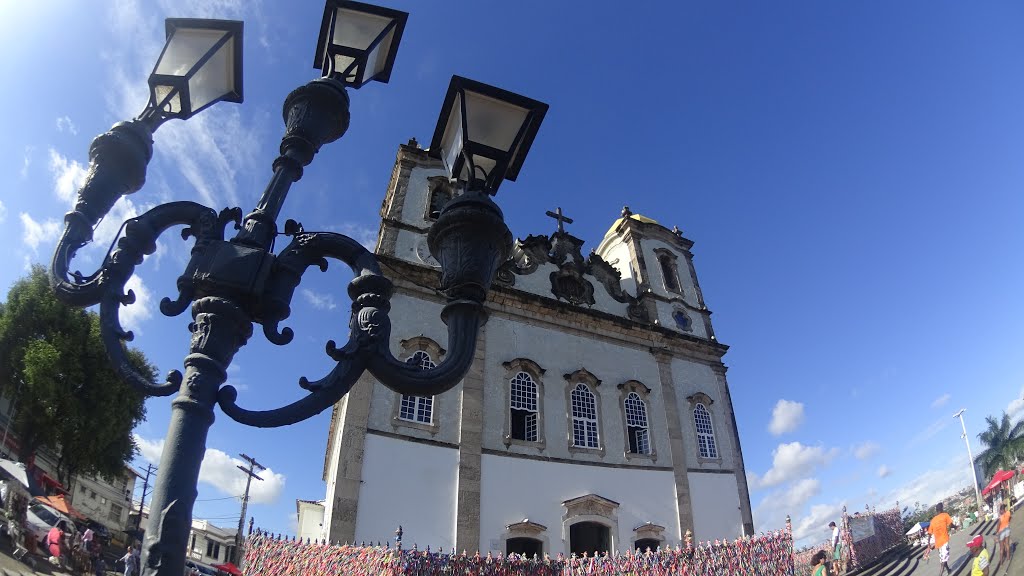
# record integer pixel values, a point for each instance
(493, 122)
(354, 29)
(215, 79)
(341, 64)
(484, 166)
(451, 142)
(173, 106)
(377, 59)
(184, 49)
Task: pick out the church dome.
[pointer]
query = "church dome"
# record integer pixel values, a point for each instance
(637, 217)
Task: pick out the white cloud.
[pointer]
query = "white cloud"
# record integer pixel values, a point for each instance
(884, 471)
(220, 471)
(26, 161)
(930, 431)
(365, 235)
(68, 176)
(3, 212)
(813, 527)
(865, 450)
(1015, 409)
(932, 485)
(941, 400)
(38, 232)
(317, 300)
(791, 461)
(64, 123)
(774, 507)
(786, 417)
(134, 314)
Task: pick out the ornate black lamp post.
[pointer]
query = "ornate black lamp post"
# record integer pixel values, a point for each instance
(232, 284)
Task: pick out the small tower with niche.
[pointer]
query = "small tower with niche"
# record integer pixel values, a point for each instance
(418, 190)
(656, 265)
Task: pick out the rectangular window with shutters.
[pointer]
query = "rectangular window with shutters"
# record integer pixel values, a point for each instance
(115, 513)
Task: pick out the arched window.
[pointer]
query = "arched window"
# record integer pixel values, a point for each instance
(418, 408)
(669, 272)
(584, 418)
(636, 424)
(440, 195)
(523, 407)
(705, 432)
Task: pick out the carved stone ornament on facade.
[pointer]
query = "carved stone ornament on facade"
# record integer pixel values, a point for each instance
(526, 528)
(590, 505)
(700, 398)
(569, 282)
(650, 531)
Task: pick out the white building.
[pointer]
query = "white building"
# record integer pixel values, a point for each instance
(596, 414)
(310, 515)
(105, 500)
(209, 544)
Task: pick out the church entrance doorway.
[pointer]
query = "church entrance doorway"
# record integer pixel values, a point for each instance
(589, 537)
(528, 547)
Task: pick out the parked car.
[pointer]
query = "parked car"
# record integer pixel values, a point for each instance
(40, 518)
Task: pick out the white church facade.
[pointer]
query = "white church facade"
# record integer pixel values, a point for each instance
(596, 414)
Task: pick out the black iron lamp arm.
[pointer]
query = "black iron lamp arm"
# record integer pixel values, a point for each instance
(370, 292)
(463, 318)
(139, 240)
(117, 167)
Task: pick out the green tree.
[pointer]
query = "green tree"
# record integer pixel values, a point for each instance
(1004, 445)
(67, 397)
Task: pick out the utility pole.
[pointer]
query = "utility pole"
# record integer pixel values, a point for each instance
(970, 457)
(142, 499)
(250, 473)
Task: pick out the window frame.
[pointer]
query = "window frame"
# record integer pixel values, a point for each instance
(714, 453)
(643, 393)
(433, 351)
(536, 373)
(438, 184)
(591, 383)
(668, 266)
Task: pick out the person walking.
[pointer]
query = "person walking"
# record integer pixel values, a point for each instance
(979, 565)
(55, 542)
(131, 561)
(837, 548)
(939, 528)
(1003, 533)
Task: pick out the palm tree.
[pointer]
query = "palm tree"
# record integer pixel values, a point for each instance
(1004, 445)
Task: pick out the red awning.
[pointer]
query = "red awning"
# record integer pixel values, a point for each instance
(229, 568)
(997, 479)
(60, 504)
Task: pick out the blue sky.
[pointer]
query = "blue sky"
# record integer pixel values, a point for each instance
(851, 174)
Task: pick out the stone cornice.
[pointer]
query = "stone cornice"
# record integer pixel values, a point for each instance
(419, 280)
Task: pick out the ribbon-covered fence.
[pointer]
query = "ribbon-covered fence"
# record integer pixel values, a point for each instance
(865, 536)
(765, 555)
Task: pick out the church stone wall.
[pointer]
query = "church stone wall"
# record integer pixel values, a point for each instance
(692, 378)
(716, 506)
(514, 489)
(408, 484)
(560, 353)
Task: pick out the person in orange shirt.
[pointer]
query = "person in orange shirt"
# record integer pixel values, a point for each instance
(939, 528)
(1004, 532)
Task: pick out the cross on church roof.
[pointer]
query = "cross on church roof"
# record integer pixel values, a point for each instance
(557, 215)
